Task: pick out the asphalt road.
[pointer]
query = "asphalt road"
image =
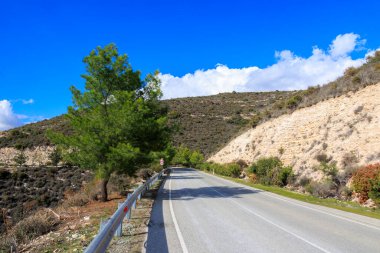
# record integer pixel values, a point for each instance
(197, 212)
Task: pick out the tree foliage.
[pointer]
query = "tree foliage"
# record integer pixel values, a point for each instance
(55, 157)
(117, 120)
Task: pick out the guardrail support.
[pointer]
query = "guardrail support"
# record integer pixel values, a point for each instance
(103, 223)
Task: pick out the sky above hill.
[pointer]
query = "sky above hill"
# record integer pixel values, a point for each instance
(200, 47)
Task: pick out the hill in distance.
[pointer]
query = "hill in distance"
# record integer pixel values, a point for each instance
(209, 123)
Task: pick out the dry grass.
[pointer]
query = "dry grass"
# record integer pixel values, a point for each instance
(41, 222)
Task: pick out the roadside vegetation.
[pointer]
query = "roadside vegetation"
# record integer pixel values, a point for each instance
(350, 189)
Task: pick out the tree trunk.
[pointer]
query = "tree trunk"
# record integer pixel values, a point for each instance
(103, 189)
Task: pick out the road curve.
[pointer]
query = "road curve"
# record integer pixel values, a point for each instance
(197, 212)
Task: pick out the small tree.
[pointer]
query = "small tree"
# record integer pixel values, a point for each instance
(196, 158)
(55, 157)
(182, 156)
(20, 158)
(117, 121)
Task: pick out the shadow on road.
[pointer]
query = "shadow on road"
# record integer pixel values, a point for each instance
(208, 192)
(157, 241)
(202, 192)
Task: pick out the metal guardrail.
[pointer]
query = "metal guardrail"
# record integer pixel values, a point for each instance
(100, 243)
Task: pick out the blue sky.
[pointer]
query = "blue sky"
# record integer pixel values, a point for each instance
(43, 44)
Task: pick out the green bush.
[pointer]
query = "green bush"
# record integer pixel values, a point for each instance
(228, 170)
(55, 157)
(286, 175)
(255, 120)
(329, 169)
(182, 156)
(293, 102)
(233, 169)
(205, 166)
(196, 159)
(20, 158)
(270, 171)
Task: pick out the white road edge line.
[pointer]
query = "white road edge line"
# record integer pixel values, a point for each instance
(274, 224)
(272, 195)
(179, 234)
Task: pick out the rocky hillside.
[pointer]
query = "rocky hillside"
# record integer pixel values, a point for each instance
(344, 130)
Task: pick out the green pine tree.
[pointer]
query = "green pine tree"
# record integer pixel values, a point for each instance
(117, 121)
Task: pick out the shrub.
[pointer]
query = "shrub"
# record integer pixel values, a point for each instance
(196, 159)
(145, 173)
(374, 193)
(242, 163)
(205, 166)
(182, 156)
(271, 171)
(20, 159)
(323, 189)
(55, 157)
(229, 170)
(237, 120)
(351, 71)
(5, 174)
(350, 160)
(233, 169)
(356, 79)
(304, 181)
(33, 226)
(322, 157)
(329, 169)
(155, 167)
(77, 199)
(293, 102)
(255, 120)
(285, 176)
(366, 182)
(375, 58)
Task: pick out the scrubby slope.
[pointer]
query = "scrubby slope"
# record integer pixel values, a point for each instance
(208, 123)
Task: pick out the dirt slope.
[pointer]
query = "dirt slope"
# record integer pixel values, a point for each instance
(346, 129)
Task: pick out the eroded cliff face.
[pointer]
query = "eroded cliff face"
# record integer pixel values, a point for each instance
(345, 129)
(36, 156)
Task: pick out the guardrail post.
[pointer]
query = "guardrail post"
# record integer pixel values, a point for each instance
(134, 203)
(102, 224)
(119, 230)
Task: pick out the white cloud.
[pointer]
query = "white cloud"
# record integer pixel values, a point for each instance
(27, 101)
(8, 119)
(345, 44)
(290, 72)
